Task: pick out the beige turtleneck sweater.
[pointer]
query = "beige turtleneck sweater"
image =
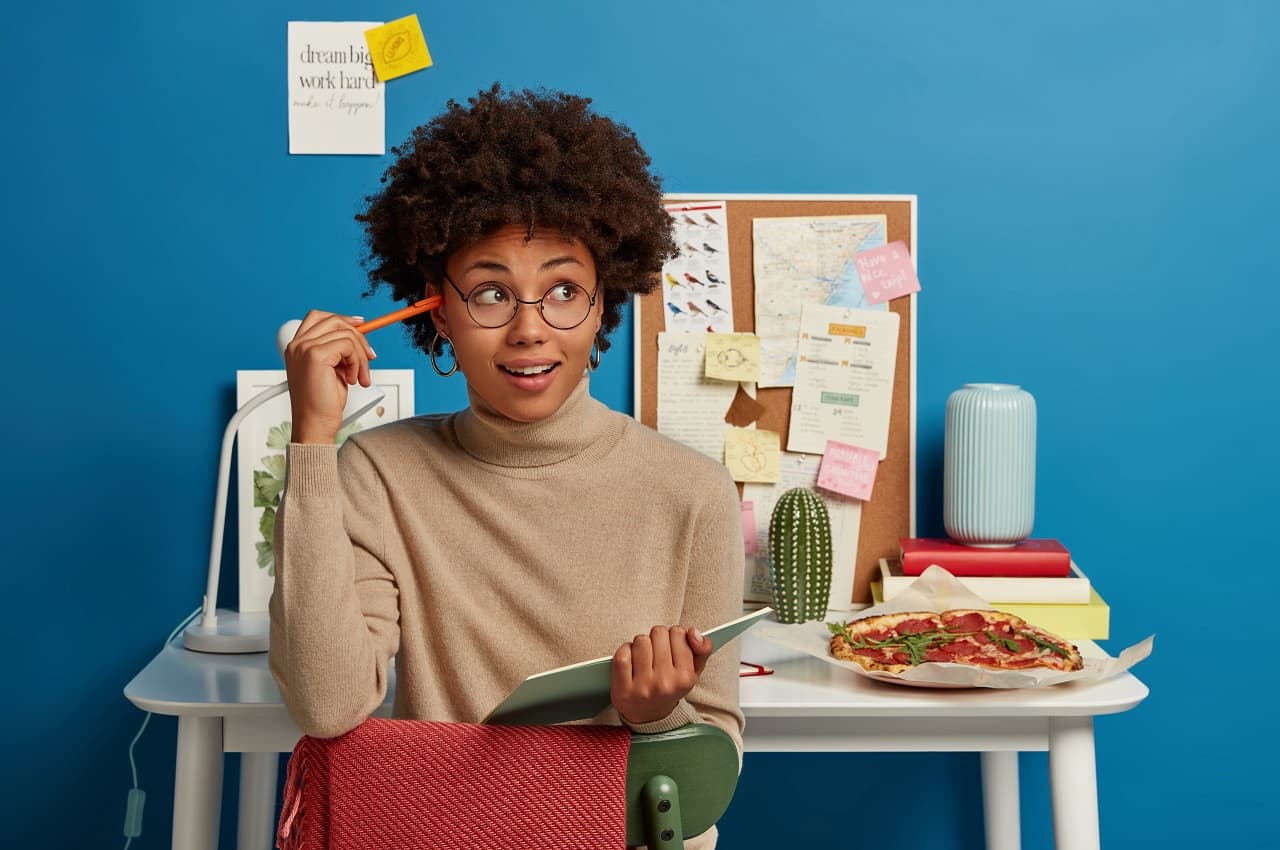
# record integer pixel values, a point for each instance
(478, 550)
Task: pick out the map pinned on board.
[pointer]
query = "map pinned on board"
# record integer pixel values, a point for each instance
(799, 261)
(886, 272)
(581, 691)
(398, 48)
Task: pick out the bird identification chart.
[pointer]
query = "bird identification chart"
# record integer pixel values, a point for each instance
(696, 291)
(844, 379)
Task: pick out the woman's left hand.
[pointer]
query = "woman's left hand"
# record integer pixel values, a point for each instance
(652, 673)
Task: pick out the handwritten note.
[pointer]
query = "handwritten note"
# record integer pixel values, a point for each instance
(398, 48)
(849, 470)
(733, 357)
(691, 407)
(752, 455)
(886, 272)
(335, 101)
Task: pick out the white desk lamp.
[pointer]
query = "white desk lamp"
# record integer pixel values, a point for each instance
(219, 629)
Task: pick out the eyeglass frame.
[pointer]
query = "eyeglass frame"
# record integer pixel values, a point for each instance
(466, 299)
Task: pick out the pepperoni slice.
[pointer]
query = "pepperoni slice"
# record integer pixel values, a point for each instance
(939, 655)
(901, 658)
(912, 627)
(966, 623)
(963, 649)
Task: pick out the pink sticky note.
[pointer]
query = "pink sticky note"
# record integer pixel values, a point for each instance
(886, 272)
(848, 470)
(749, 527)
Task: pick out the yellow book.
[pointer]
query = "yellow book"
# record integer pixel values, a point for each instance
(1088, 621)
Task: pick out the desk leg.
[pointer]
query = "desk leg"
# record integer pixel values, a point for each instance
(257, 824)
(1000, 800)
(197, 784)
(1073, 784)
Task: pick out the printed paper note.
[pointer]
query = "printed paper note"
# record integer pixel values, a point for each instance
(801, 261)
(691, 407)
(733, 357)
(696, 289)
(801, 470)
(844, 379)
(752, 455)
(335, 101)
(848, 470)
(398, 48)
(886, 272)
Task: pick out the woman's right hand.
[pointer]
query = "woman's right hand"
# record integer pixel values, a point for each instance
(326, 355)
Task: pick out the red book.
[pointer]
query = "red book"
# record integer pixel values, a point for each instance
(1029, 558)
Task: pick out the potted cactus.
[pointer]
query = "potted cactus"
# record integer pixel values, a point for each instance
(800, 556)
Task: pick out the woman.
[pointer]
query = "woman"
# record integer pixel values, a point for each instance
(535, 528)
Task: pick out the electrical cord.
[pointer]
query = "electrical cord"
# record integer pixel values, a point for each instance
(137, 797)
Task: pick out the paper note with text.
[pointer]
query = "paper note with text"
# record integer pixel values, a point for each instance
(691, 406)
(886, 272)
(848, 470)
(844, 379)
(335, 102)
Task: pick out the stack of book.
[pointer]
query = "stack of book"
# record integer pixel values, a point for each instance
(1036, 580)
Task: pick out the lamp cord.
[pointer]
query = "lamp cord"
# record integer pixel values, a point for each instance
(133, 810)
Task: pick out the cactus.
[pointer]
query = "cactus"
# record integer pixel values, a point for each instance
(800, 556)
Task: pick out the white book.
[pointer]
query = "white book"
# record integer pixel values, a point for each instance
(1072, 589)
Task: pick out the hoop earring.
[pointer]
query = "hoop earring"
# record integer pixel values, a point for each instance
(593, 362)
(435, 344)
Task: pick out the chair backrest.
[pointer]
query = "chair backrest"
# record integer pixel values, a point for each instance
(679, 783)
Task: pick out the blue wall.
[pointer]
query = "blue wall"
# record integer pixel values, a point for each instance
(1097, 184)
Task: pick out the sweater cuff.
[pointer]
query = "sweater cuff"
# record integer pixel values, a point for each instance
(311, 469)
(683, 714)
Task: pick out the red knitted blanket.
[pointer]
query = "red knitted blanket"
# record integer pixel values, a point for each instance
(458, 786)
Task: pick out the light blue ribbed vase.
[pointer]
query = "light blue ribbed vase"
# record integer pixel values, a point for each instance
(989, 465)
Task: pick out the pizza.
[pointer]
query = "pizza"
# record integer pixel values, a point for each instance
(893, 643)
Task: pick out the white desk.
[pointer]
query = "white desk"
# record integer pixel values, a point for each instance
(228, 704)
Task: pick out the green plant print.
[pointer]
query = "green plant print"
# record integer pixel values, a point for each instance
(268, 485)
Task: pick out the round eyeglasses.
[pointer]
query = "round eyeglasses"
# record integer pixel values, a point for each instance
(491, 305)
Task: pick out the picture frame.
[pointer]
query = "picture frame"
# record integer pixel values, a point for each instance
(260, 466)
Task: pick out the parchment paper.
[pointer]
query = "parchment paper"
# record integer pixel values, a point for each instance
(937, 590)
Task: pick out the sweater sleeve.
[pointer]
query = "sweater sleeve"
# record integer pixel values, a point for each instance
(713, 595)
(334, 608)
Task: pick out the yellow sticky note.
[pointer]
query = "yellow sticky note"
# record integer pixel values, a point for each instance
(398, 48)
(733, 357)
(753, 455)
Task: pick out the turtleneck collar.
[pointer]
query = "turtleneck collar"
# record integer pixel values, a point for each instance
(582, 430)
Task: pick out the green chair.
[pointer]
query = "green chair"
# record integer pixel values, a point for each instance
(679, 783)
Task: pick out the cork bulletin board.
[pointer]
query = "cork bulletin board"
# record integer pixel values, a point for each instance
(890, 513)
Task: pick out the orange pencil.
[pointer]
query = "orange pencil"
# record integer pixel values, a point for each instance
(428, 303)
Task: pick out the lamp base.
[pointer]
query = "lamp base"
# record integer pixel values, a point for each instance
(234, 633)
